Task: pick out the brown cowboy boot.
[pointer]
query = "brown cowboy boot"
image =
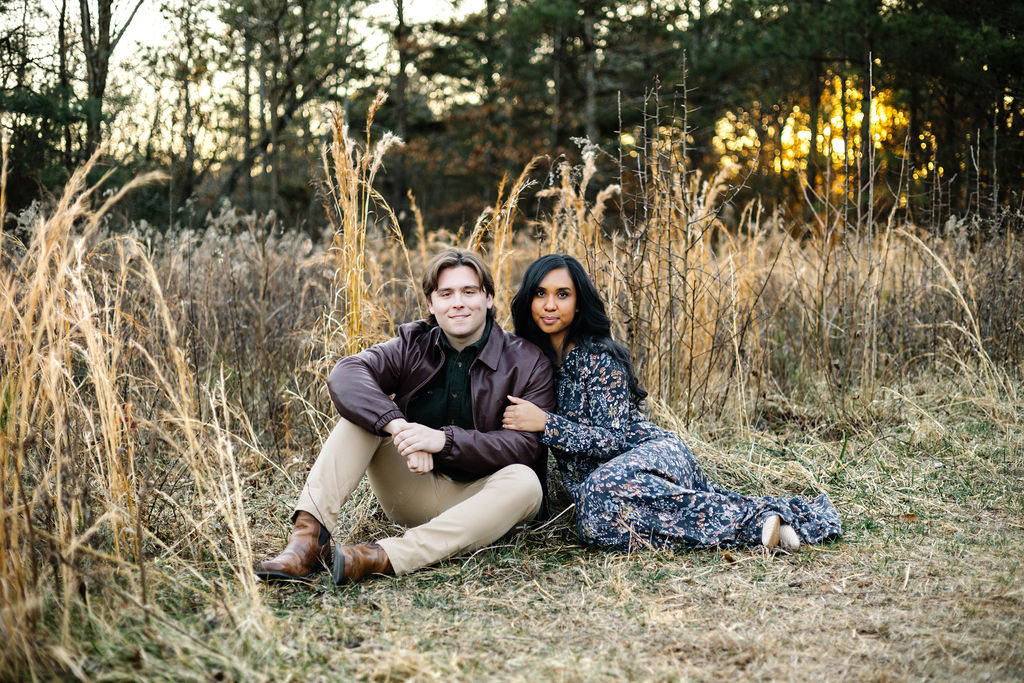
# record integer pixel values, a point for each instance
(355, 562)
(308, 552)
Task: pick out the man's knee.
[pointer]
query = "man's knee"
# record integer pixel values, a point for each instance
(521, 482)
(348, 439)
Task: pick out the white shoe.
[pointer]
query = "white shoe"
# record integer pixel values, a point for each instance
(770, 531)
(789, 539)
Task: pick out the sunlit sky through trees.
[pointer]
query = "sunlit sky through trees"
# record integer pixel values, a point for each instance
(832, 95)
(150, 30)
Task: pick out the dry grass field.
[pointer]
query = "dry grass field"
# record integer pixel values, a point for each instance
(162, 397)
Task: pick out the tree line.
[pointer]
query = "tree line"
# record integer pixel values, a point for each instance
(911, 104)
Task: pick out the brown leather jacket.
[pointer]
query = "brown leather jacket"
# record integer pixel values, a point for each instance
(361, 387)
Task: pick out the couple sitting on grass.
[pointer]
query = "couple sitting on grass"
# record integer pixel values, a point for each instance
(451, 420)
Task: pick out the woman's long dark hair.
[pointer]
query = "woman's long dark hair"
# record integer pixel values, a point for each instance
(591, 328)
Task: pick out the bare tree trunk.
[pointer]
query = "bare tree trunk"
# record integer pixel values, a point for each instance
(261, 112)
(814, 159)
(590, 72)
(401, 82)
(97, 56)
(400, 97)
(866, 142)
(913, 128)
(508, 50)
(64, 80)
(247, 48)
(187, 133)
(556, 79)
(846, 149)
(98, 42)
(489, 50)
(274, 102)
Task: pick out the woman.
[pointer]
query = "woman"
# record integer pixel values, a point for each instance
(634, 483)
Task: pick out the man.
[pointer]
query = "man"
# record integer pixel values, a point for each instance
(436, 456)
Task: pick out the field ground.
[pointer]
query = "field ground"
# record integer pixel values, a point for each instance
(925, 584)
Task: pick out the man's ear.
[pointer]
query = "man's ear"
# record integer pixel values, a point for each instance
(490, 301)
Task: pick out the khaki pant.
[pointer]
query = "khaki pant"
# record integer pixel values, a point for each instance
(445, 516)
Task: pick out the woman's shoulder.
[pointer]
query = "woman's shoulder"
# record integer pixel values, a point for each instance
(593, 356)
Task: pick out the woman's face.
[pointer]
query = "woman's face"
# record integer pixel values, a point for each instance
(554, 305)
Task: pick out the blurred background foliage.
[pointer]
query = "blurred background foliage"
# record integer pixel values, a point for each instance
(899, 104)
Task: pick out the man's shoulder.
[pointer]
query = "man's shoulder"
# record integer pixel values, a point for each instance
(515, 344)
(412, 337)
(415, 330)
(417, 334)
(516, 350)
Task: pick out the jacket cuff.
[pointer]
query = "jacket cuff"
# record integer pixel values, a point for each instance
(378, 428)
(449, 441)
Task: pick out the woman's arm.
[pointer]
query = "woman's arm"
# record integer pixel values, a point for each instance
(603, 390)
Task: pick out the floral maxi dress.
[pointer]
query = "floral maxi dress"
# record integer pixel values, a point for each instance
(637, 485)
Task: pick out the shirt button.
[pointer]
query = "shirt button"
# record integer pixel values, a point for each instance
(460, 364)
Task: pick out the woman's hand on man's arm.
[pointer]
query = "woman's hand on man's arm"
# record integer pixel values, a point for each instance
(523, 416)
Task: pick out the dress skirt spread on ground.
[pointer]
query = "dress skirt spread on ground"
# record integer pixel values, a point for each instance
(637, 485)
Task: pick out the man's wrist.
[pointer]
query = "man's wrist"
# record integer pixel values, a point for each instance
(449, 439)
(442, 437)
(395, 425)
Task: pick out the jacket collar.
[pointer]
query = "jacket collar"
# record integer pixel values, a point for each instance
(473, 348)
(489, 355)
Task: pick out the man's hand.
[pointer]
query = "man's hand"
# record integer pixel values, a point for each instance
(523, 416)
(420, 462)
(418, 445)
(412, 438)
(414, 442)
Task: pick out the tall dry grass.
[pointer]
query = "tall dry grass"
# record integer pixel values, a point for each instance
(162, 394)
(120, 478)
(728, 323)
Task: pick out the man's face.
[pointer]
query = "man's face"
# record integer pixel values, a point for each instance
(460, 305)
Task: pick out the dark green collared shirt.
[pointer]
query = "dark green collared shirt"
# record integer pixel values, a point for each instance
(446, 399)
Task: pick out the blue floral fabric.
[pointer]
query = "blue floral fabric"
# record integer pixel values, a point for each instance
(637, 485)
